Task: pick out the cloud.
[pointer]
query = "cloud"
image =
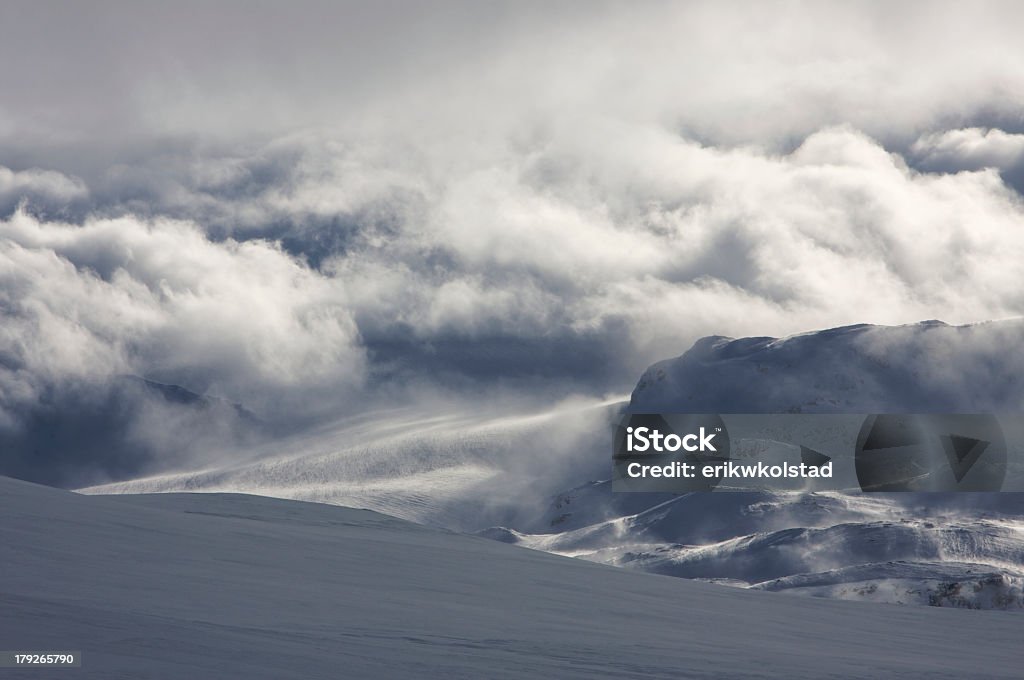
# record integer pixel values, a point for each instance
(315, 211)
(39, 189)
(726, 74)
(969, 149)
(631, 249)
(83, 302)
(972, 149)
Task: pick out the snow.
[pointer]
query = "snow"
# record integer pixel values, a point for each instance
(223, 585)
(943, 584)
(462, 469)
(506, 477)
(950, 550)
(929, 367)
(801, 543)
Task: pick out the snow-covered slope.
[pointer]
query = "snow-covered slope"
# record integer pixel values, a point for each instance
(463, 470)
(946, 550)
(220, 586)
(961, 550)
(534, 478)
(929, 367)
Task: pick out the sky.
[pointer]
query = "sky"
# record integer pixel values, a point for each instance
(312, 208)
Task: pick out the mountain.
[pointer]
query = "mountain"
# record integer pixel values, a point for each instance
(176, 394)
(227, 585)
(928, 367)
(117, 430)
(941, 549)
(539, 479)
(952, 550)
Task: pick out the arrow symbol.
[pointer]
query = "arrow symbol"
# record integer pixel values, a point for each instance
(962, 452)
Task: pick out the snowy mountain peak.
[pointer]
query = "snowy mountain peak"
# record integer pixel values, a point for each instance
(924, 367)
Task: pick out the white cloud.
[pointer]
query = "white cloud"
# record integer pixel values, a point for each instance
(969, 149)
(649, 239)
(587, 188)
(85, 302)
(35, 185)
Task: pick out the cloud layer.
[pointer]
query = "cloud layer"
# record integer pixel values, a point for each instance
(347, 206)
